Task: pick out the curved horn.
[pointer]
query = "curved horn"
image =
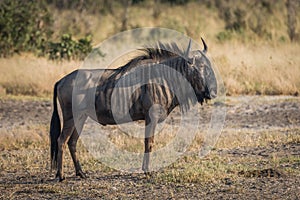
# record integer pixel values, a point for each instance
(205, 46)
(188, 48)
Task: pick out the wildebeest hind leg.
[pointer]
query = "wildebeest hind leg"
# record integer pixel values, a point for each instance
(72, 147)
(67, 130)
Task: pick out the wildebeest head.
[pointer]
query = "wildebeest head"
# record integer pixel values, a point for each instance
(202, 76)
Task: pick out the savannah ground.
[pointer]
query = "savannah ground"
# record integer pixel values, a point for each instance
(257, 155)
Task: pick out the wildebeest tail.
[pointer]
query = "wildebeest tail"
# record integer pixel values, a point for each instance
(55, 130)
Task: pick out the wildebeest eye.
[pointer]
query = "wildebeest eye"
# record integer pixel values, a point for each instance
(201, 66)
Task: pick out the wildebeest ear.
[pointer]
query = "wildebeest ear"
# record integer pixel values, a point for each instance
(188, 49)
(205, 46)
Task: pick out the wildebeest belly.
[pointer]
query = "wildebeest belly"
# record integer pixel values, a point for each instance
(107, 117)
(118, 104)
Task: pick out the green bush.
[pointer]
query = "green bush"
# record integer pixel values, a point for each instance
(68, 49)
(224, 36)
(24, 26)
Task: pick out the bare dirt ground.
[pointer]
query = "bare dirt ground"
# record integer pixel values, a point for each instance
(257, 157)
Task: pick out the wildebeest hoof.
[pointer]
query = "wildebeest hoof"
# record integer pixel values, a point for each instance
(81, 174)
(61, 179)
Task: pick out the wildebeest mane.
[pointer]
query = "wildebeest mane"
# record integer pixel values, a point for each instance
(149, 55)
(158, 52)
(161, 51)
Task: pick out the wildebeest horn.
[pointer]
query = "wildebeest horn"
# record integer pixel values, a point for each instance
(205, 46)
(188, 49)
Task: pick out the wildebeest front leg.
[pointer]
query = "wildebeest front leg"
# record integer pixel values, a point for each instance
(151, 123)
(72, 147)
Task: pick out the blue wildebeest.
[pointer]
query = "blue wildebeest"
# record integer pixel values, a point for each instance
(193, 65)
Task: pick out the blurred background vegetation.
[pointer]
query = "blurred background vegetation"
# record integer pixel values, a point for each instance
(46, 27)
(68, 29)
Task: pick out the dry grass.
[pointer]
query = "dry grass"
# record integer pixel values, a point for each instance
(245, 69)
(28, 75)
(255, 138)
(244, 148)
(259, 69)
(22, 146)
(29, 136)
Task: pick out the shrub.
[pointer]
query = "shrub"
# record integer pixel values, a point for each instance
(224, 35)
(67, 48)
(24, 25)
